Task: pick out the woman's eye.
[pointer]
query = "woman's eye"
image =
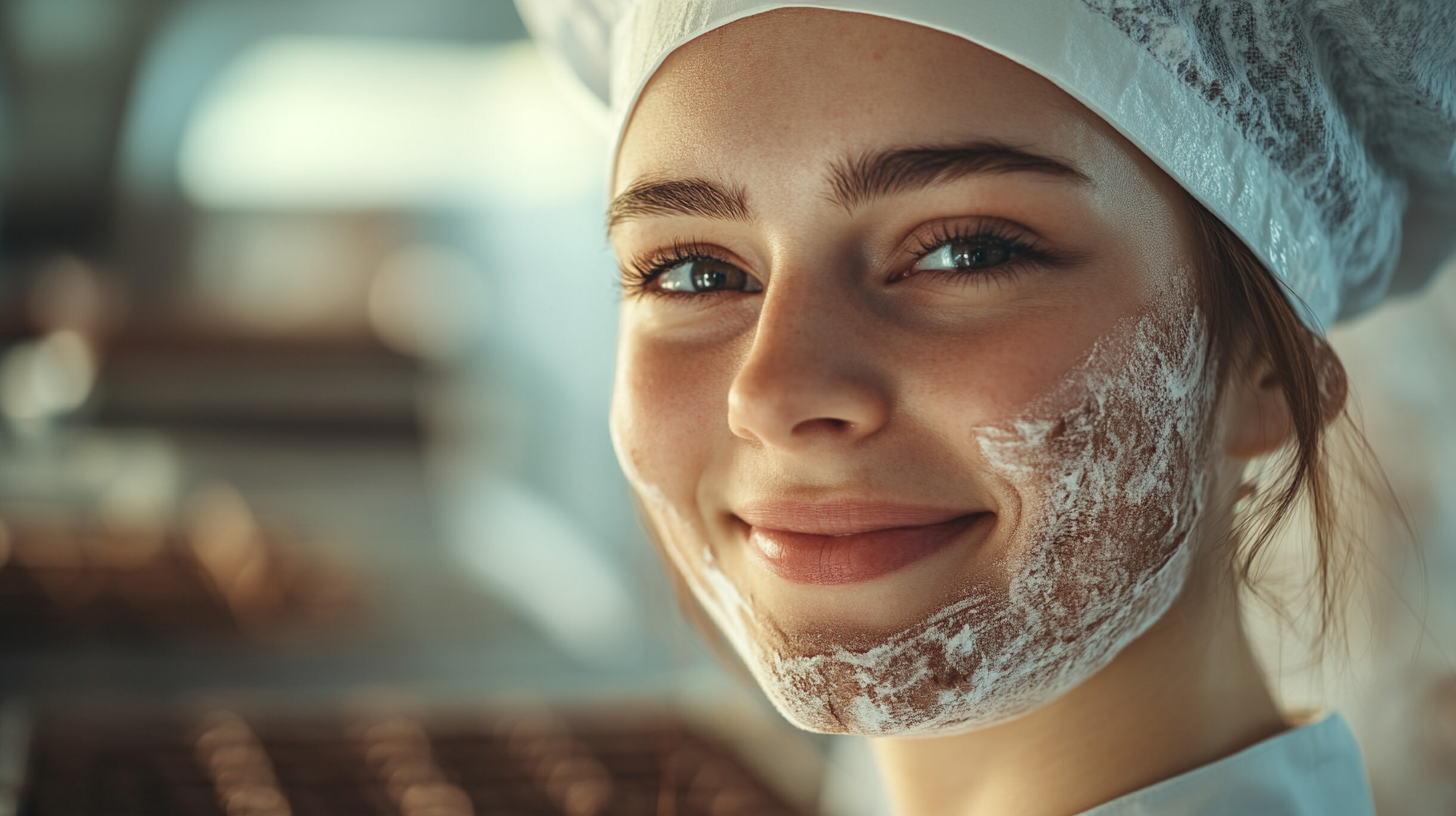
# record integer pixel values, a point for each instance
(967, 255)
(707, 275)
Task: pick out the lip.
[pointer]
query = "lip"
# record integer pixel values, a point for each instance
(849, 542)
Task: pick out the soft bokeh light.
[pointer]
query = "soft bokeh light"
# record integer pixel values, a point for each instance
(429, 301)
(45, 378)
(346, 123)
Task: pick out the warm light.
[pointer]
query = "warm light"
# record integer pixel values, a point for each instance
(44, 378)
(427, 301)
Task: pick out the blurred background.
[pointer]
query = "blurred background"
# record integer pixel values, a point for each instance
(307, 503)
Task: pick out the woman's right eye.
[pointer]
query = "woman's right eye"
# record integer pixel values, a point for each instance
(706, 275)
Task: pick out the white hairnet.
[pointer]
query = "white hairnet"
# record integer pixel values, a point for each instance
(1322, 131)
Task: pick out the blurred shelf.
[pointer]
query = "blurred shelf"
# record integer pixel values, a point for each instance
(377, 761)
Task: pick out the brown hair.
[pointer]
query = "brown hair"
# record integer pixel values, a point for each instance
(1253, 320)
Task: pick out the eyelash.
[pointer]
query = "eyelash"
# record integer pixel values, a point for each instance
(1024, 252)
(638, 275)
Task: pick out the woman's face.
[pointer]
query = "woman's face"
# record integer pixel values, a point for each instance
(910, 379)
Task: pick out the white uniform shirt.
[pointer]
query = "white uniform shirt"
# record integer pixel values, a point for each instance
(1313, 770)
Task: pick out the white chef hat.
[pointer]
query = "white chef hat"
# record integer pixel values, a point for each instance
(1322, 131)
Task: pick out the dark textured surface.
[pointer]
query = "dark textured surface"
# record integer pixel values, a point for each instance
(537, 763)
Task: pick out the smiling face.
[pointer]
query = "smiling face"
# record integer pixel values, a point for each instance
(911, 380)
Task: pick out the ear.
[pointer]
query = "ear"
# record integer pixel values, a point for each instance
(1256, 413)
(1334, 386)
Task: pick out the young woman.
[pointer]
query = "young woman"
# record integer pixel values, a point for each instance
(950, 330)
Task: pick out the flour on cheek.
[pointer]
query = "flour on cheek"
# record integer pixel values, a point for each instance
(1109, 471)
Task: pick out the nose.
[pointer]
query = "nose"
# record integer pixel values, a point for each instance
(808, 378)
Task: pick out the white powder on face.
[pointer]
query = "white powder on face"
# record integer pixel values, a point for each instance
(1108, 469)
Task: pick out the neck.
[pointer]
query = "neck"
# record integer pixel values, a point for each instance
(1186, 693)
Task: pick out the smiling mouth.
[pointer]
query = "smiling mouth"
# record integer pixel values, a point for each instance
(853, 557)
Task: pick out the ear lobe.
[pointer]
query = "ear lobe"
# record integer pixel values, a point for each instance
(1256, 413)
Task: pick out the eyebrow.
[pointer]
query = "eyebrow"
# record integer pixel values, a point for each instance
(691, 197)
(854, 181)
(877, 174)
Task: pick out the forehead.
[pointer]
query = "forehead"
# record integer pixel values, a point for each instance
(809, 84)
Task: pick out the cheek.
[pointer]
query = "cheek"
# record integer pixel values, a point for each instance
(666, 414)
(957, 383)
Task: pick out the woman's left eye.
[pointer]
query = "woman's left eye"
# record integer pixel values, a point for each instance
(968, 255)
(706, 275)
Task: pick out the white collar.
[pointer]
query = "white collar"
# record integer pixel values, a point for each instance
(1313, 770)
